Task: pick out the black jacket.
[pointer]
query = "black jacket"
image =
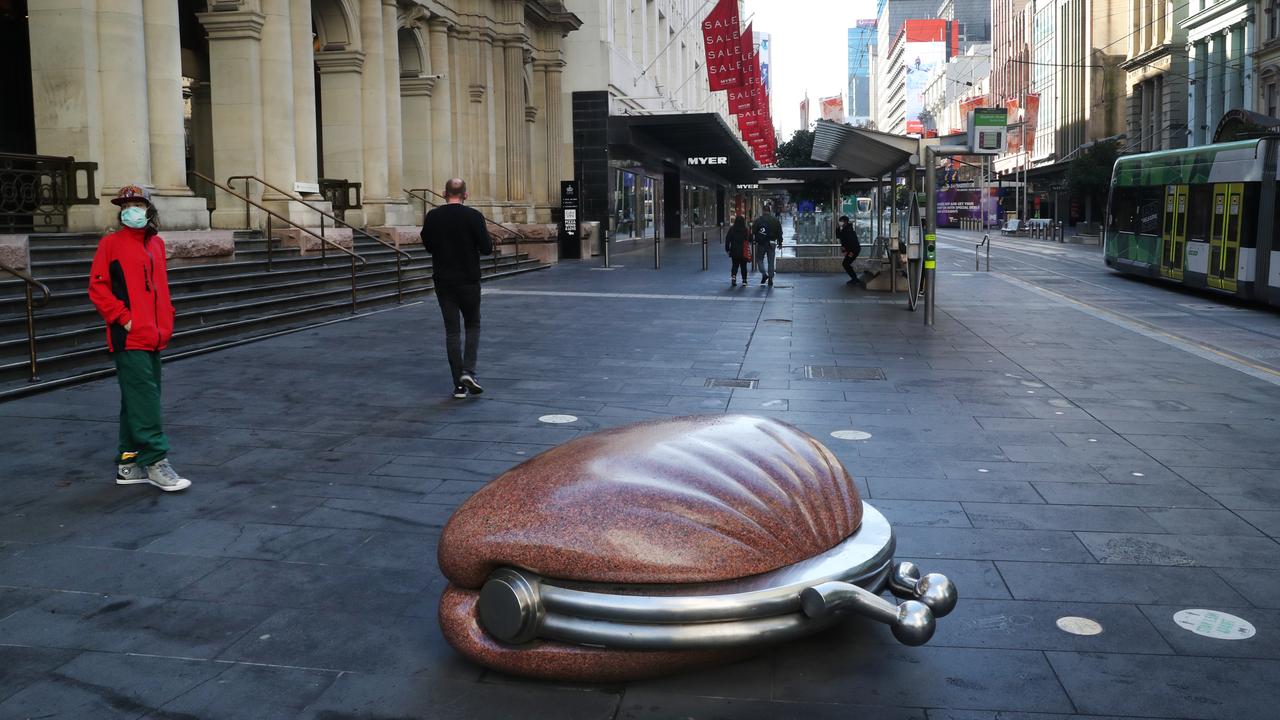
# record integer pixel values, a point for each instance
(849, 239)
(735, 241)
(767, 228)
(456, 237)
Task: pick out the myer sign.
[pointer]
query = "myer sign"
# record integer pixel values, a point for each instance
(712, 160)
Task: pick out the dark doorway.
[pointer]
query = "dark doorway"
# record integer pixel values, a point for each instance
(17, 122)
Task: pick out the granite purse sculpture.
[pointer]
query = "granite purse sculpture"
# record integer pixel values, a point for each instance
(659, 546)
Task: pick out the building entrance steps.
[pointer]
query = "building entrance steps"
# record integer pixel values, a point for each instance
(218, 301)
(1050, 444)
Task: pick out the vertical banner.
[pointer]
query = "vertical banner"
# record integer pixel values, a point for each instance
(1030, 115)
(722, 41)
(1014, 142)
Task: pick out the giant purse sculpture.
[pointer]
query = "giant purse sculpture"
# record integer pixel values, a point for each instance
(654, 547)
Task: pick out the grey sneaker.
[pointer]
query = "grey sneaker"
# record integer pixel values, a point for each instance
(130, 473)
(163, 476)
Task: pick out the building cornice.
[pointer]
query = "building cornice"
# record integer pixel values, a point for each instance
(1218, 16)
(1141, 60)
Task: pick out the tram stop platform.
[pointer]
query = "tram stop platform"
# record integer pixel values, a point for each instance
(1067, 445)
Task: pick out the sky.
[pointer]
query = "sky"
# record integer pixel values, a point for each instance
(810, 50)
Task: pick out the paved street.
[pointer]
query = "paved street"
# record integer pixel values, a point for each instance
(1065, 442)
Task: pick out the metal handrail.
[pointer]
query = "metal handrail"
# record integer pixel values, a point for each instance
(986, 240)
(355, 257)
(28, 283)
(515, 233)
(336, 221)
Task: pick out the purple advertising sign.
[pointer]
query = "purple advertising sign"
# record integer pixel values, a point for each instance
(956, 204)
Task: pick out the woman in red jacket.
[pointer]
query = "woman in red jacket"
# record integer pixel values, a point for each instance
(130, 287)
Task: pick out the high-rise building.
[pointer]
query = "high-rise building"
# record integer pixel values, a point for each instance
(974, 17)
(890, 15)
(862, 46)
(919, 47)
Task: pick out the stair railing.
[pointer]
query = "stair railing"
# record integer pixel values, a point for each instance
(357, 260)
(336, 222)
(29, 283)
(421, 194)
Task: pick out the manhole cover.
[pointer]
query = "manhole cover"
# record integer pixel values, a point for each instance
(731, 383)
(558, 419)
(1214, 624)
(1079, 626)
(851, 435)
(840, 372)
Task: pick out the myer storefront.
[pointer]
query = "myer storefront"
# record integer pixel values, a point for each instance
(654, 176)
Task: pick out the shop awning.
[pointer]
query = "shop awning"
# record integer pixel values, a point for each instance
(863, 153)
(700, 141)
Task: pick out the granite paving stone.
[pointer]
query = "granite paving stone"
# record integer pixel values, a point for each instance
(1044, 455)
(1212, 688)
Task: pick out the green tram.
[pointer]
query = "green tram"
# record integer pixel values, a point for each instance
(1202, 217)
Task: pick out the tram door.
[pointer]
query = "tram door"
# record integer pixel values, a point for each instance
(1224, 238)
(1175, 231)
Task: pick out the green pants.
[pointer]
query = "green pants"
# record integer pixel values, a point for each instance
(141, 429)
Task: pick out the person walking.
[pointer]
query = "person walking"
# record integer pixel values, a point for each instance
(849, 243)
(129, 285)
(737, 244)
(456, 237)
(766, 231)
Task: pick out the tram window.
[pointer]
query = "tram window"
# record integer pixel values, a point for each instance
(1199, 212)
(1249, 215)
(1150, 206)
(1123, 208)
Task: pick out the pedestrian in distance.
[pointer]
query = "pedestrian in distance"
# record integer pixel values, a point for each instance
(849, 243)
(766, 231)
(129, 285)
(456, 237)
(737, 243)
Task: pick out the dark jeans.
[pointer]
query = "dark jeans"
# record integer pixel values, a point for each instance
(848, 265)
(464, 300)
(739, 263)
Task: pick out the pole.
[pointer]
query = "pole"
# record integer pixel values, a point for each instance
(930, 230)
(657, 252)
(705, 259)
(603, 229)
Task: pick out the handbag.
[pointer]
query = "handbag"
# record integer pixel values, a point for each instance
(746, 249)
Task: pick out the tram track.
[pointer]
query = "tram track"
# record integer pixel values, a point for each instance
(1231, 356)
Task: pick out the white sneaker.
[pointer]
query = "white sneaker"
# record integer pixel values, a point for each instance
(130, 473)
(163, 476)
(469, 382)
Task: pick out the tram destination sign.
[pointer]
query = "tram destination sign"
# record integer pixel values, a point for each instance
(987, 130)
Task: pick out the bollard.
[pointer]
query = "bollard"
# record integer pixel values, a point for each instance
(705, 259)
(657, 253)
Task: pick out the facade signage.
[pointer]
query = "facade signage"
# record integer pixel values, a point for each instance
(711, 160)
(570, 226)
(987, 130)
(306, 187)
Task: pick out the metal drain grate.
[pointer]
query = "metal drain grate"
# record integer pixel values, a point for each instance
(731, 383)
(840, 372)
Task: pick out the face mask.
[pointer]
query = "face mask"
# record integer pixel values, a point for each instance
(134, 217)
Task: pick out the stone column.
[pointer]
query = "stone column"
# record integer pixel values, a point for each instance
(66, 94)
(1248, 36)
(1195, 93)
(341, 92)
(417, 111)
(202, 138)
(517, 128)
(475, 135)
(304, 92)
(374, 105)
(555, 132)
(442, 163)
(279, 160)
(398, 210)
(539, 170)
(235, 79)
(126, 129)
(164, 96)
(498, 151)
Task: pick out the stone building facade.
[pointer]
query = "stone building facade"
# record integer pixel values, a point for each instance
(1156, 70)
(391, 94)
(1220, 44)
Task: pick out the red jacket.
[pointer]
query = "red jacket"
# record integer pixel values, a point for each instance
(128, 282)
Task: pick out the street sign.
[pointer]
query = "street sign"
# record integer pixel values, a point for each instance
(987, 130)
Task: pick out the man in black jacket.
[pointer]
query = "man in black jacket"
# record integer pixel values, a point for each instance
(765, 232)
(849, 244)
(456, 237)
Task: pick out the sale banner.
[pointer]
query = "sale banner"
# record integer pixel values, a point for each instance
(721, 39)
